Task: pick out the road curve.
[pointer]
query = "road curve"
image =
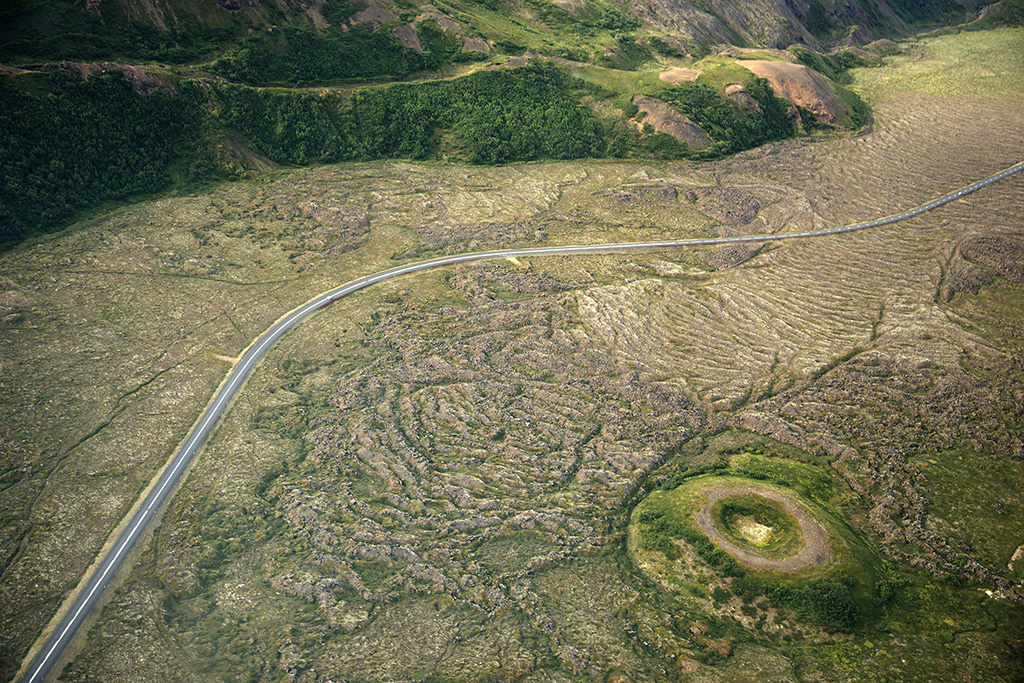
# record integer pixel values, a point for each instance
(52, 649)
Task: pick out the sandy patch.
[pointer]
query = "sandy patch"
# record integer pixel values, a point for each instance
(753, 531)
(680, 75)
(1018, 555)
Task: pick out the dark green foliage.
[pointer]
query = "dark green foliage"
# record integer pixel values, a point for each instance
(665, 146)
(80, 143)
(747, 588)
(827, 602)
(731, 129)
(509, 47)
(631, 54)
(817, 21)
(1013, 12)
(889, 590)
(619, 144)
(679, 478)
(850, 60)
(494, 117)
(438, 46)
(752, 474)
(663, 48)
(711, 553)
(659, 532)
(614, 20)
(63, 31)
(932, 11)
(662, 544)
(338, 11)
(648, 516)
(554, 16)
(290, 128)
(860, 114)
(301, 57)
(826, 65)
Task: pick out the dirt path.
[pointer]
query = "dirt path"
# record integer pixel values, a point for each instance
(815, 552)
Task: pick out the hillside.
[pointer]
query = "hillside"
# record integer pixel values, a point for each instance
(299, 41)
(229, 90)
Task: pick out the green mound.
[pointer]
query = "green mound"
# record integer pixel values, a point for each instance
(756, 524)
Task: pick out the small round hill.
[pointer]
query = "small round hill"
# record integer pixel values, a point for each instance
(714, 522)
(802, 86)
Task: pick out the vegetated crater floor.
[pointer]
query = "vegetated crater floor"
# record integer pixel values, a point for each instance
(814, 552)
(442, 466)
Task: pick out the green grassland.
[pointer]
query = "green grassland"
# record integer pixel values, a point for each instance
(895, 607)
(969, 63)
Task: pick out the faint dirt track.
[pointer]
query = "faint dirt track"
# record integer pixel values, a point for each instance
(815, 552)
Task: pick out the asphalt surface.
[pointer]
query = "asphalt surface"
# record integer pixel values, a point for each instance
(159, 493)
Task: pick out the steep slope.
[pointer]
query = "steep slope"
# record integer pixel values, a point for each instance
(391, 38)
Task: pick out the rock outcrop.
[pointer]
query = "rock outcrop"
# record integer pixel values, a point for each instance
(738, 94)
(802, 86)
(664, 118)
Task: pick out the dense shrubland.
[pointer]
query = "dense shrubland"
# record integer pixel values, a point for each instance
(78, 143)
(71, 144)
(301, 57)
(489, 118)
(731, 129)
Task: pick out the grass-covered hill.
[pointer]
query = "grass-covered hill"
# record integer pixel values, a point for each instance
(105, 101)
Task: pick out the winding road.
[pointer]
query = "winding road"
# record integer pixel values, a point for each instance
(46, 658)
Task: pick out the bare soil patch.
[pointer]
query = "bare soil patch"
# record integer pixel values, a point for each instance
(664, 118)
(680, 75)
(753, 531)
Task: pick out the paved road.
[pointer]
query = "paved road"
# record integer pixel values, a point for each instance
(53, 647)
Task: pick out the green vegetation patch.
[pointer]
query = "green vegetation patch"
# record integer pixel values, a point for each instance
(982, 512)
(667, 542)
(976, 63)
(63, 29)
(490, 117)
(302, 57)
(758, 524)
(731, 128)
(71, 144)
